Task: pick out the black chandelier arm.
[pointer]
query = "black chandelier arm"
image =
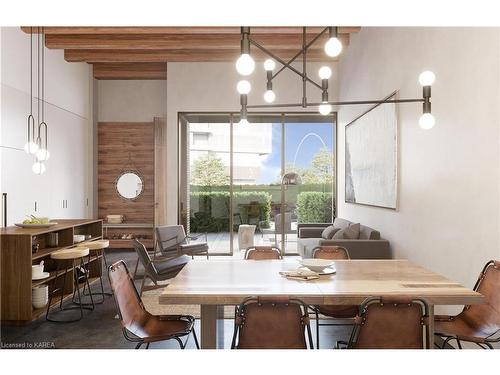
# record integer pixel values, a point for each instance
(308, 45)
(420, 100)
(263, 49)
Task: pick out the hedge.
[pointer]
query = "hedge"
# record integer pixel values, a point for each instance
(211, 209)
(314, 207)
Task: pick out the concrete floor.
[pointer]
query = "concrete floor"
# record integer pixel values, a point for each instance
(100, 330)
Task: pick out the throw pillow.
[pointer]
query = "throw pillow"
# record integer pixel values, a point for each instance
(349, 233)
(329, 231)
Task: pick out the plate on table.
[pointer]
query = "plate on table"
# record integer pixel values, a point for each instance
(48, 225)
(40, 277)
(325, 271)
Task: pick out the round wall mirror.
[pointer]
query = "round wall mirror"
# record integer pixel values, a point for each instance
(129, 185)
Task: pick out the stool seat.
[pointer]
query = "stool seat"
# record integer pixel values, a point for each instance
(97, 245)
(72, 253)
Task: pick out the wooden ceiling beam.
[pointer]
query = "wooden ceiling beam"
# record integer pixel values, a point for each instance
(110, 30)
(175, 41)
(101, 55)
(127, 71)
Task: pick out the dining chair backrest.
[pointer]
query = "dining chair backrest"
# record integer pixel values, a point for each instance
(271, 323)
(169, 236)
(391, 323)
(262, 253)
(330, 252)
(486, 317)
(130, 308)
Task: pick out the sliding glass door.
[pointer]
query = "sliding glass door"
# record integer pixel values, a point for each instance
(233, 178)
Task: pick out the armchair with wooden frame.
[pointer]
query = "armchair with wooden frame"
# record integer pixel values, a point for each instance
(172, 240)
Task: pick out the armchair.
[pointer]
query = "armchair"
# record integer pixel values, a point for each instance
(173, 241)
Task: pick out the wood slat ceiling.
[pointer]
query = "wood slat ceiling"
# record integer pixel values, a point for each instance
(142, 52)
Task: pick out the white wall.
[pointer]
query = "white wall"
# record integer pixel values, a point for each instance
(448, 215)
(68, 106)
(131, 100)
(211, 87)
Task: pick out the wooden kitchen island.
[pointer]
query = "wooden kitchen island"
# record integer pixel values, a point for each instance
(17, 255)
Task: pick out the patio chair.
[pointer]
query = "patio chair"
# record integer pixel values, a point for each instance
(390, 323)
(172, 240)
(271, 323)
(277, 226)
(138, 325)
(479, 324)
(341, 315)
(158, 268)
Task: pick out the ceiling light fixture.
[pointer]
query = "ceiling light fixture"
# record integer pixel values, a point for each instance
(245, 65)
(31, 146)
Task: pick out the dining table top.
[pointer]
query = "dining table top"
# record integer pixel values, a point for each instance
(230, 281)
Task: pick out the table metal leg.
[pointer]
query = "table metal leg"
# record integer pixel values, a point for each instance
(208, 326)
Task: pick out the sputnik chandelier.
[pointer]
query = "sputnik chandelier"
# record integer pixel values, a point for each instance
(245, 65)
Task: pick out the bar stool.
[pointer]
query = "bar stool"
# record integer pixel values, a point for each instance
(62, 258)
(96, 248)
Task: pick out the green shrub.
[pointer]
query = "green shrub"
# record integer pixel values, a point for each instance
(211, 209)
(314, 207)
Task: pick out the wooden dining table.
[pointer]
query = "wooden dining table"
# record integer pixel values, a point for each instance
(217, 282)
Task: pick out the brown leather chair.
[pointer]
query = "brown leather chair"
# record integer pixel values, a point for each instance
(271, 323)
(138, 325)
(391, 323)
(263, 253)
(341, 315)
(479, 324)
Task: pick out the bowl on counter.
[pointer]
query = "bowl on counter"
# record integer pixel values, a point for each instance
(316, 265)
(78, 238)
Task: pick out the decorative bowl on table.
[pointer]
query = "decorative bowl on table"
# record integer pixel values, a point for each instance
(316, 265)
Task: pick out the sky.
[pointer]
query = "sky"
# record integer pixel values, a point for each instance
(294, 134)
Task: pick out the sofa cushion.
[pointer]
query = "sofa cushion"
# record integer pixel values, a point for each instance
(349, 233)
(328, 232)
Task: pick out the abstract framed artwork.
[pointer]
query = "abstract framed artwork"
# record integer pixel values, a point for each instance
(371, 157)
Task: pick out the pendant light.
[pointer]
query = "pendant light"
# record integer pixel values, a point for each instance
(31, 147)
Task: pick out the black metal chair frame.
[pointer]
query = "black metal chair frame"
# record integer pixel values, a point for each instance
(362, 316)
(493, 338)
(239, 313)
(344, 321)
(253, 248)
(80, 305)
(129, 336)
(102, 293)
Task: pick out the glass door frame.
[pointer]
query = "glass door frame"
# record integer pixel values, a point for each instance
(183, 118)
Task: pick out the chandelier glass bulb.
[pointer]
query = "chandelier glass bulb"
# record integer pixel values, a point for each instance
(244, 87)
(38, 168)
(325, 72)
(325, 109)
(31, 147)
(269, 64)
(426, 78)
(243, 122)
(269, 96)
(333, 47)
(245, 64)
(427, 121)
(43, 154)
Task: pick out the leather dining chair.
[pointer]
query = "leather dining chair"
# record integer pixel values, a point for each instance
(262, 253)
(138, 325)
(158, 268)
(390, 323)
(341, 315)
(478, 324)
(271, 323)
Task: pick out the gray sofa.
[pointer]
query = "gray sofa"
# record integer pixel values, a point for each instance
(368, 246)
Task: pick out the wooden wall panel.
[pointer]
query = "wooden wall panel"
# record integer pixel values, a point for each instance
(115, 141)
